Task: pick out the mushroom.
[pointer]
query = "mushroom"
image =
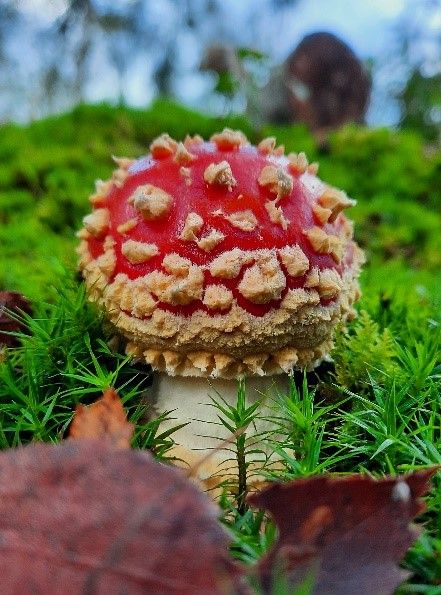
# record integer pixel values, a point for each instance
(219, 260)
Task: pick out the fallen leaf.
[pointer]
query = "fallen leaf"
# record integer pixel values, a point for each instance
(82, 517)
(349, 533)
(16, 303)
(105, 419)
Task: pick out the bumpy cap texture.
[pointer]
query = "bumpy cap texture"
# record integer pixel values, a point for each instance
(220, 258)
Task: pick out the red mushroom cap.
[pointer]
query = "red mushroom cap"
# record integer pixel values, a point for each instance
(220, 258)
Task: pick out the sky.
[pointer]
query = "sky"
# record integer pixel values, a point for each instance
(366, 25)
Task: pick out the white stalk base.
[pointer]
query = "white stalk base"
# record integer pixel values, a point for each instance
(189, 398)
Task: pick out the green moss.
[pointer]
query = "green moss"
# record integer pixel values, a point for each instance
(390, 227)
(381, 411)
(359, 350)
(48, 168)
(370, 162)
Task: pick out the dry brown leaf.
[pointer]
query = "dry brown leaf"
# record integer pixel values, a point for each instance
(81, 517)
(349, 532)
(104, 419)
(85, 517)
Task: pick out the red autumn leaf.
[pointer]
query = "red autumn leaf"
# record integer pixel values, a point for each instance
(104, 419)
(16, 303)
(83, 517)
(350, 533)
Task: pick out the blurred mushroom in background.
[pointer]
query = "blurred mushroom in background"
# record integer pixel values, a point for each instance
(322, 83)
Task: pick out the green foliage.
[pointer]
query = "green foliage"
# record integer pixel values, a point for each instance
(240, 421)
(64, 359)
(253, 533)
(363, 351)
(421, 104)
(388, 227)
(226, 85)
(303, 441)
(425, 560)
(369, 162)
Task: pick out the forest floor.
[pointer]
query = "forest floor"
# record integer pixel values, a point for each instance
(374, 409)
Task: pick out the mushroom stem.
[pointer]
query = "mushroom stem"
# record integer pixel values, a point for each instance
(191, 399)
